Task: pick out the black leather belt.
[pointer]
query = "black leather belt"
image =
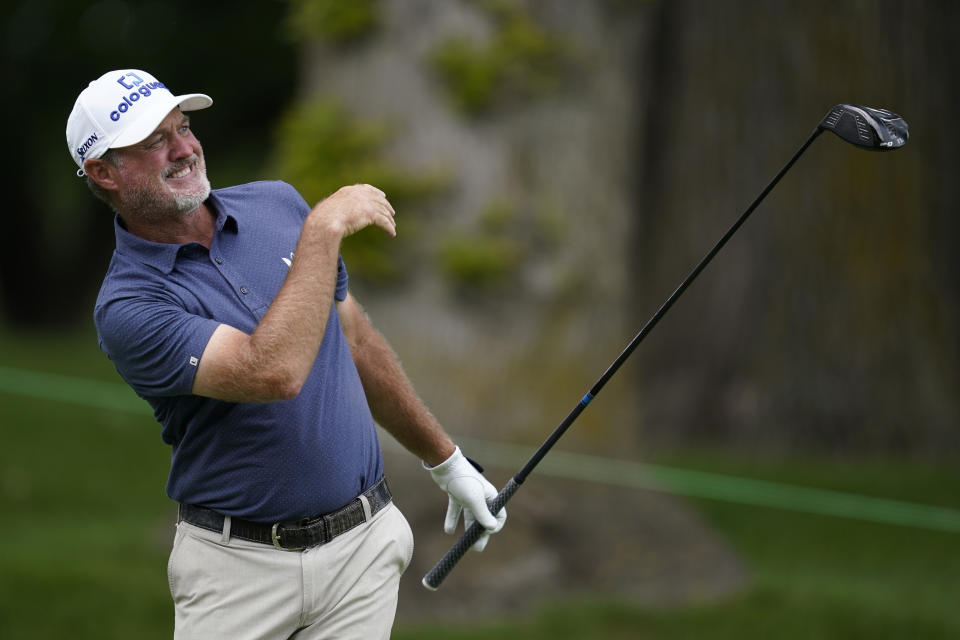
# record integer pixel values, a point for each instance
(298, 534)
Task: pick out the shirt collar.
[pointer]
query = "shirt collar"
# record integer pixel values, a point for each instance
(162, 256)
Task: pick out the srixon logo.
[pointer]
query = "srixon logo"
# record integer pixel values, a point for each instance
(82, 150)
(138, 90)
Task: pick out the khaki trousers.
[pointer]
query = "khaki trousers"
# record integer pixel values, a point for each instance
(229, 588)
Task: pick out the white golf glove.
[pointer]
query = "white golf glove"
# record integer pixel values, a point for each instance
(468, 492)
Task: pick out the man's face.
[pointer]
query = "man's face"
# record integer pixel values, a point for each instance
(164, 176)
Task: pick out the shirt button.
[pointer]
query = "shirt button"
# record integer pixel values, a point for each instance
(243, 290)
(218, 260)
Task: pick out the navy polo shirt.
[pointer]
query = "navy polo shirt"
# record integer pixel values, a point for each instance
(158, 306)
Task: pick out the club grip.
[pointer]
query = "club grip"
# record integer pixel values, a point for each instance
(435, 577)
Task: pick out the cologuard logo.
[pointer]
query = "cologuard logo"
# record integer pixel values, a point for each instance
(138, 89)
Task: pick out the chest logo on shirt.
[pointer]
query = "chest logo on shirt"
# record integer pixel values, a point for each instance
(288, 261)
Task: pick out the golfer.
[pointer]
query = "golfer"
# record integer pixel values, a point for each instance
(229, 312)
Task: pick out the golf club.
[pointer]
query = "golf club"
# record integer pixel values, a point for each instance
(874, 129)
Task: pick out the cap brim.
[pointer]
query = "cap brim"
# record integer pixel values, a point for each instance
(155, 114)
(194, 101)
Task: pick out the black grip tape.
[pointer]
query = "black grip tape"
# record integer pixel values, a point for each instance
(435, 577)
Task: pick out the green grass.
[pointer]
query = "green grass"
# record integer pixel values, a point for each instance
(87, 530)
(86, 524)
(812, 577)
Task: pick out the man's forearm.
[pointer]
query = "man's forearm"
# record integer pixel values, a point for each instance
(289, 335)
(275, 360)
(393, 401)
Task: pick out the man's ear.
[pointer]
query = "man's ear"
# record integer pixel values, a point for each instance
(101, 172)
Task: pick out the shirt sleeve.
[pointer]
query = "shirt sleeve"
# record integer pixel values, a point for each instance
(154, 343)
(340, 293)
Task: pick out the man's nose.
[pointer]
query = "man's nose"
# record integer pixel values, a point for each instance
(182, 148)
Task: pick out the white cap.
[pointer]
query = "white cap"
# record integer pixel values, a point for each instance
(121, 108)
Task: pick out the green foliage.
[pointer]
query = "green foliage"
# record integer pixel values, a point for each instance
(484, 260)
(320, 148)
(497, 217)
(479, 262)
(332, 21)
(521, 60)
(505, 237)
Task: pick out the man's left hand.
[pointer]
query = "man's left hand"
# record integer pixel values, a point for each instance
(469, 492)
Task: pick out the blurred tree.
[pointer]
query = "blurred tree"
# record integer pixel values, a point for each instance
(522, 59)
(332, 21)
(320, 147)
(58, 238)
(832, 319)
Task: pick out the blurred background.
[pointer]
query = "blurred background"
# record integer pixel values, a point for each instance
(777, 459)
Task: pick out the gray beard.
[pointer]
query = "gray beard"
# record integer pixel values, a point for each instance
(187, 202)
(153, 207)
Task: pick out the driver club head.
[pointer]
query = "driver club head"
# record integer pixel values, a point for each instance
(875, 129)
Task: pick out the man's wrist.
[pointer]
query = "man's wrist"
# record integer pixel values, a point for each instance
(442, 455)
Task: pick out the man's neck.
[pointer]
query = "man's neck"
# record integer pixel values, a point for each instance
(196, 226)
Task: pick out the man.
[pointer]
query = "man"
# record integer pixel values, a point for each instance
(228, 311)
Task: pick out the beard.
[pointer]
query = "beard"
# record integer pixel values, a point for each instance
(155, 201)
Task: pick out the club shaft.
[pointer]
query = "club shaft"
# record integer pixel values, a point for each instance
(435, 576)
(652, 322)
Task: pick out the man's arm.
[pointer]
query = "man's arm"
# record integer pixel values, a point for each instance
(397, 408)
(275, 360)
(394, 403)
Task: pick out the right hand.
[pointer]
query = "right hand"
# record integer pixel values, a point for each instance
(356, 207)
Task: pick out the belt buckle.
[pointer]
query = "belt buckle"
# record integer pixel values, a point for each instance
(274, 535)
